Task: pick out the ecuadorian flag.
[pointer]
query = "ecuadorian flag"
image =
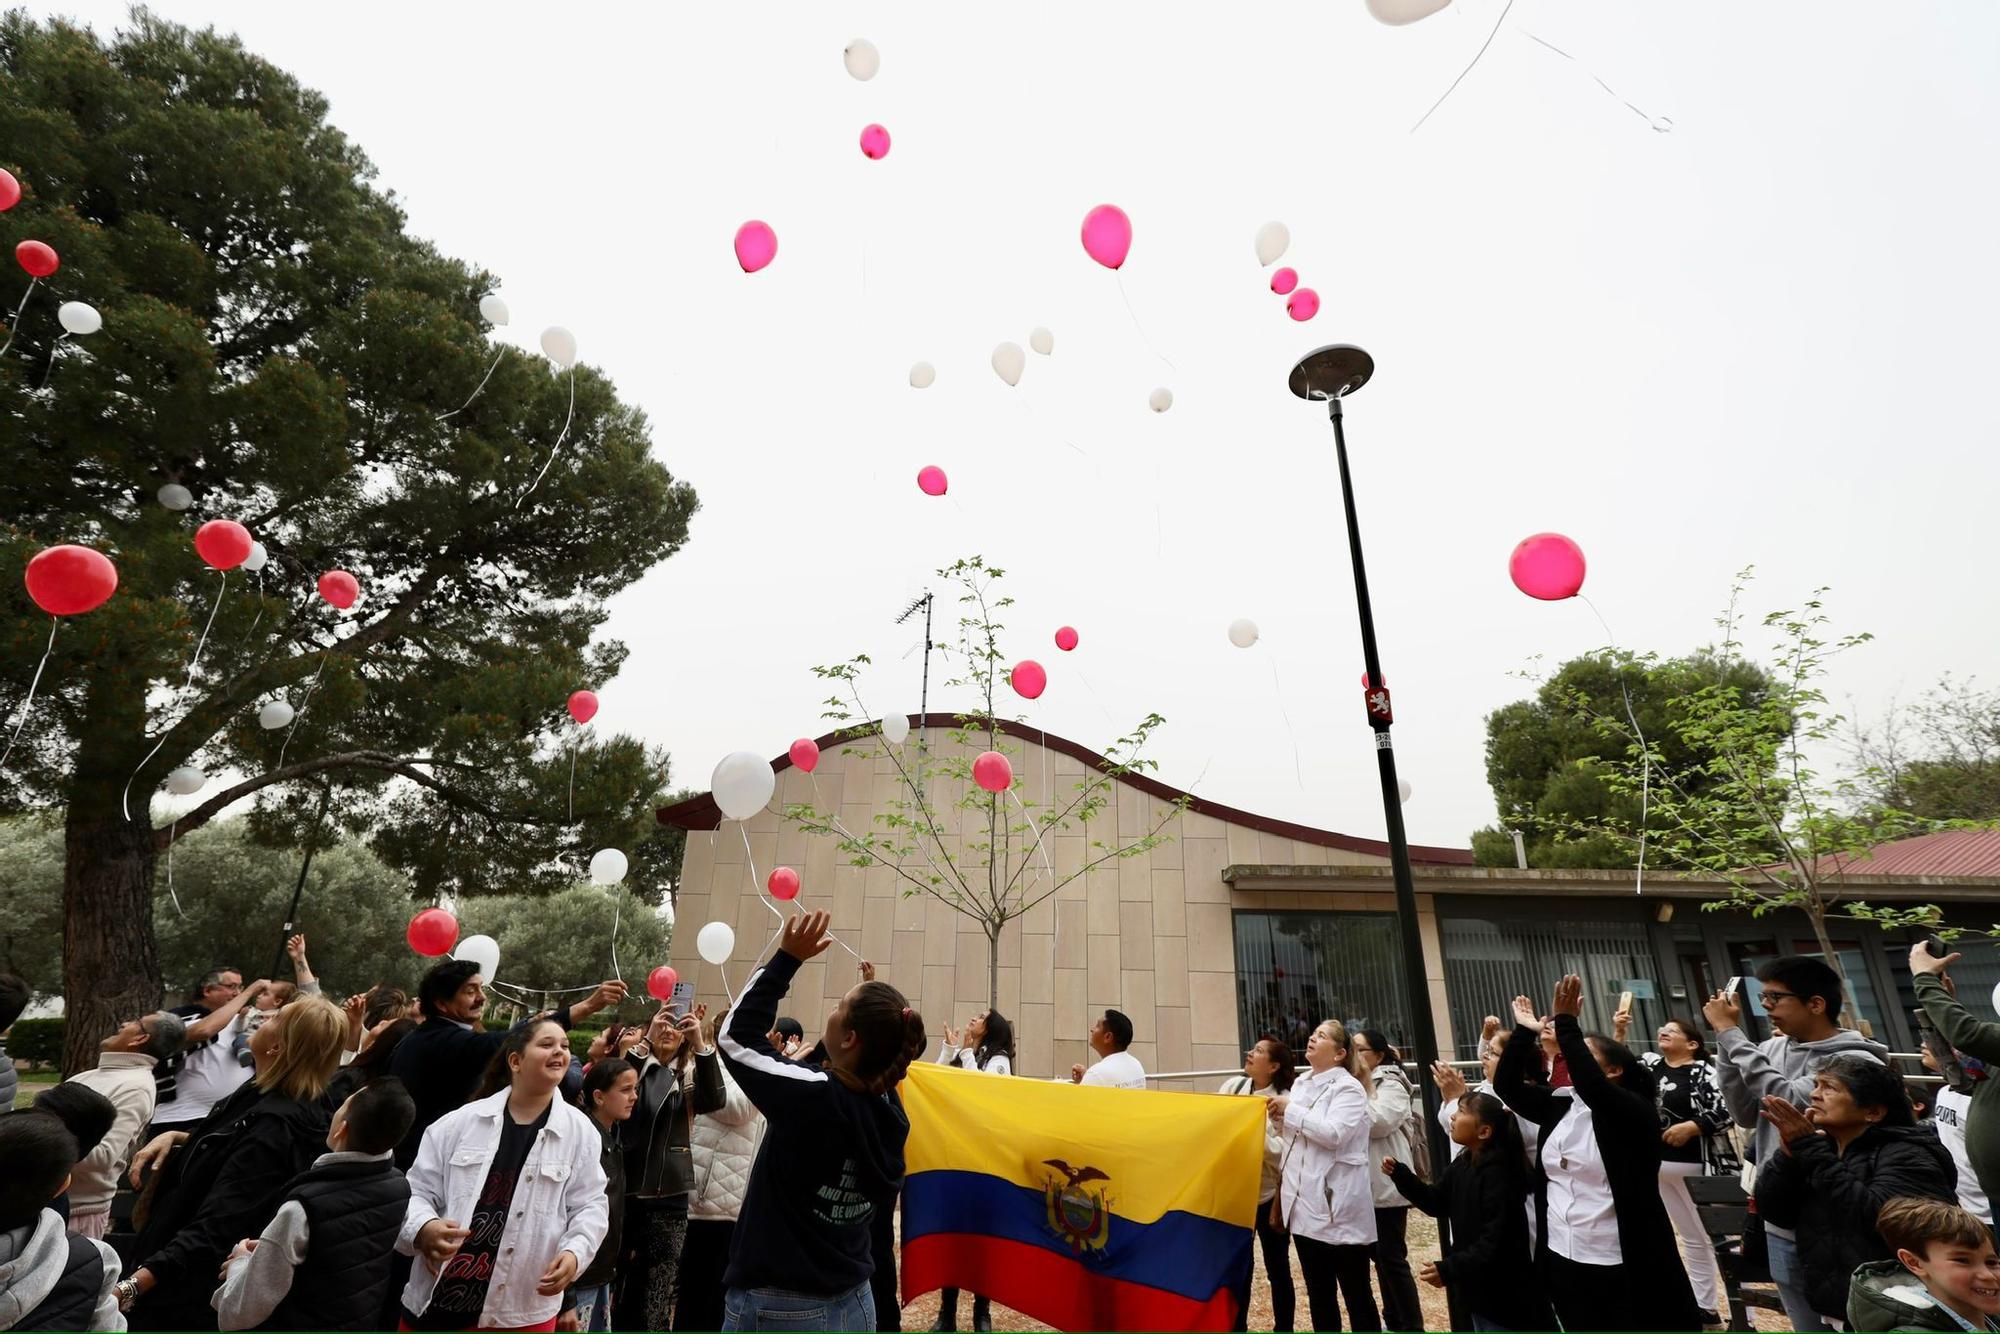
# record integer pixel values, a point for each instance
(1086, 1208)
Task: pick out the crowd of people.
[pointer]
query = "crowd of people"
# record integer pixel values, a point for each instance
(262, 1158)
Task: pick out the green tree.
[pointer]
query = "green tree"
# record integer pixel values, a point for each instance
(1939, 758)
(31, 858)
(1553, 769)
(276, 343)
(1001, 868)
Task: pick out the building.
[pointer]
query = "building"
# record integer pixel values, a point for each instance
(1239, 924)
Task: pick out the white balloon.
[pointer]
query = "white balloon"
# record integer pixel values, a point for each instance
(607, 867)
(482, 950)
(492, 309)
(1273, 240)
(559, 346)
(896, 728)
(79, 317)
(863, 61)
(257, 558)
(1396, 13)
(1160, 399)
(743, 784)
(186, 781)
(923, 375)
(1243, 632)
(716, 942)
(1403, 789)
(1996, 998)
(1009, 361)
(1042, 341)
(274, 715)
(174, 496)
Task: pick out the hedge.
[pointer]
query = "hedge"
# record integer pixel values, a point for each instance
(36, 1041)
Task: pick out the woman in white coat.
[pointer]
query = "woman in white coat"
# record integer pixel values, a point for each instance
(1326, 1193)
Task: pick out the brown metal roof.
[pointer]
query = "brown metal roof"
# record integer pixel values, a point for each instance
(701, 812)
(1951, 852)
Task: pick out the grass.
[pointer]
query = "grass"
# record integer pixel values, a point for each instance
(32, 1084)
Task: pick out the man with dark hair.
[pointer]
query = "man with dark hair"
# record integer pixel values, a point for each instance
(49, 1279)
(787, 1035)
(326, 1259)
(124, 1073)
(441, 1061)
(187, 1086)
(86, 1114)
(1116, 1067)
(1801, 996)
(13, 1000)
(384, 1002)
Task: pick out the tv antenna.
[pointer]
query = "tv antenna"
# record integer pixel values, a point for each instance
(923, 600)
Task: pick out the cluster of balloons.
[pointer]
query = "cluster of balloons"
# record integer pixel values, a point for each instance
(1273, 240)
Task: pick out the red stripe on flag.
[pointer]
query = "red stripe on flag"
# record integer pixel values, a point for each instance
(1052, 1288)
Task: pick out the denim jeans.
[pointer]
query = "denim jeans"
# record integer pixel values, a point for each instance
(1790, 1276)
(593, 1308)
(774, 1308)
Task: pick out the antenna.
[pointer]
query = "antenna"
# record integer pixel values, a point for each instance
(923, 600)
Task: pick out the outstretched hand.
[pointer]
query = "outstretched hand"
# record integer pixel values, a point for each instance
(1569, 996)
(1450, 1083)
(806, 936)
(1524, 1013)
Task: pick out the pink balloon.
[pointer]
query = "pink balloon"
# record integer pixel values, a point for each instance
(874, 143)
(432, 932)
(10, 190)
(1029, 679)
(1107, 235)
(340, 588)
(38, 258)
(1303, 304)
(931, 480)
(805, 755)
(1284, 280)
(756, 245)
(992, 772)
(1066, 639)
(660, 983)
(223, 543)
(1547, 566)
(783, 884)
(583, 706)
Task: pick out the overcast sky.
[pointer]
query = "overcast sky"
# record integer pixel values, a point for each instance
(1765, 336)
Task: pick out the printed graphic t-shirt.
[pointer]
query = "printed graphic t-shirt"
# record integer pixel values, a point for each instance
(460, 1295)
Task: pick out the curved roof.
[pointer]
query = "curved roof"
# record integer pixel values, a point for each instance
(701, 812)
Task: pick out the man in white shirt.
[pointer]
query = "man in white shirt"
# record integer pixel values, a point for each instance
(1116, 1067)
(209, 1071)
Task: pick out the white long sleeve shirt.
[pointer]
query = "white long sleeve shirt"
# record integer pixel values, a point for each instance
(1324, 1187)
(1583, 1218)
(126, 1078)
(967, 1058)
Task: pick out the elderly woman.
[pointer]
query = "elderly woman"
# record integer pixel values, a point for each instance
(222, 1180)
(1326, 1197)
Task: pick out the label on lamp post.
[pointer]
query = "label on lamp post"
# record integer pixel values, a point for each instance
(1378, 706)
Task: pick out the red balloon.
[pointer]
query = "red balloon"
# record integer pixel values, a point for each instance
(432, 932)
(340, 588)
(1066, 639)
(1028, 679)
(37, 257)
(1547, 566)
(783, 884)
(805, 755)
(10, 190)
(993, 772)
(660, 983)
(223, 543)
(70, 580)
(583, 706)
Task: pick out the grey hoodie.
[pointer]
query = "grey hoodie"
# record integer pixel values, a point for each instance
(1748, 1074)
(32, 1259)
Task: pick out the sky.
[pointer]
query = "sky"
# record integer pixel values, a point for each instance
(1761, 334)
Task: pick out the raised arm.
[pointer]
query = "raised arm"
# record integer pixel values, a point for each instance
(1510, 1076)
(1956, 1023)
(222, 1016)
(1417, 1191)
(776, 1085)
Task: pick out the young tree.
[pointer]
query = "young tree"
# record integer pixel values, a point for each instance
(276, 343)
(984, 854)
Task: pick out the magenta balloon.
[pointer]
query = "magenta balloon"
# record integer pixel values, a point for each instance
(1547, 566)
(1066, 639)
(874, 143)
(992, 772)
(756, 245)
(1029, 679)
(931, 481)
(805, 755)
(783, 884)
(1303, 304)
(660, 983)
(1107, 235)
(1284, 280)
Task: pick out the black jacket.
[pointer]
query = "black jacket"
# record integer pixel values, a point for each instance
(658, 1164)
(605, 1263)
(353, 1212)
(1831, 1199)
(440, 1063)
(1485, 1200)
(72, 1302)
(222, 1185)
(1627, 1129)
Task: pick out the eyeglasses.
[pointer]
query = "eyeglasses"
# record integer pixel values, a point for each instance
(1770, 997)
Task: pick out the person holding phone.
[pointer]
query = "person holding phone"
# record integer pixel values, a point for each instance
(659, 1164)
(1974, 1037)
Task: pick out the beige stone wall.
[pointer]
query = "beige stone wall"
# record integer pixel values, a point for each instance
(1150, 935)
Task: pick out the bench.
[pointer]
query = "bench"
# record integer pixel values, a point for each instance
(1725, 1211)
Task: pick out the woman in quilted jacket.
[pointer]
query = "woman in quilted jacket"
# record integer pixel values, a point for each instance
(724, 1144)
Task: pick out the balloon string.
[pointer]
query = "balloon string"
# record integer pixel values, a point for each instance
(171, 840)
(50, 369)
(572, 775)
(125, 802)
(1645, 748)
(765, 899)
(1279, 691)
(557, 447)
(482, 384)
(1658, 124)
(1468, 69)
(299, 716)
(14, 321)
(1119, 274)
(617, 906)
(1094, 695)
(27, 703)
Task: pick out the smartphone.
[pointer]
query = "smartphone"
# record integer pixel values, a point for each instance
(1625, 1002)
(1936, 946)
(1735, 985)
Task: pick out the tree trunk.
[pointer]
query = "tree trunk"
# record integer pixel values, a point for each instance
(111, 968)
(1815, 910)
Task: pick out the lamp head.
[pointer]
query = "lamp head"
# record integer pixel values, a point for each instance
(1333, 371)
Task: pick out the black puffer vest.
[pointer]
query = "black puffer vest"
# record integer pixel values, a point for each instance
(353, 1212)
(72, 1303)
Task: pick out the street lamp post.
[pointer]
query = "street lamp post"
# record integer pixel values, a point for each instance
(1331, 373)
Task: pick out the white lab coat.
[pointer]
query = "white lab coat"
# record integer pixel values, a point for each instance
(1324, 1188)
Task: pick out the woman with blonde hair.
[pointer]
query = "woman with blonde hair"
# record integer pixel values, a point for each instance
(224, 1179)
(1325, 1189)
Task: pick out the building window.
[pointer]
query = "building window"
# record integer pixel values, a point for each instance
(1295, 969)
(1489, 961)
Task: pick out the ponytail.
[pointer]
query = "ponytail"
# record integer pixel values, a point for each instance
(891, 1035)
